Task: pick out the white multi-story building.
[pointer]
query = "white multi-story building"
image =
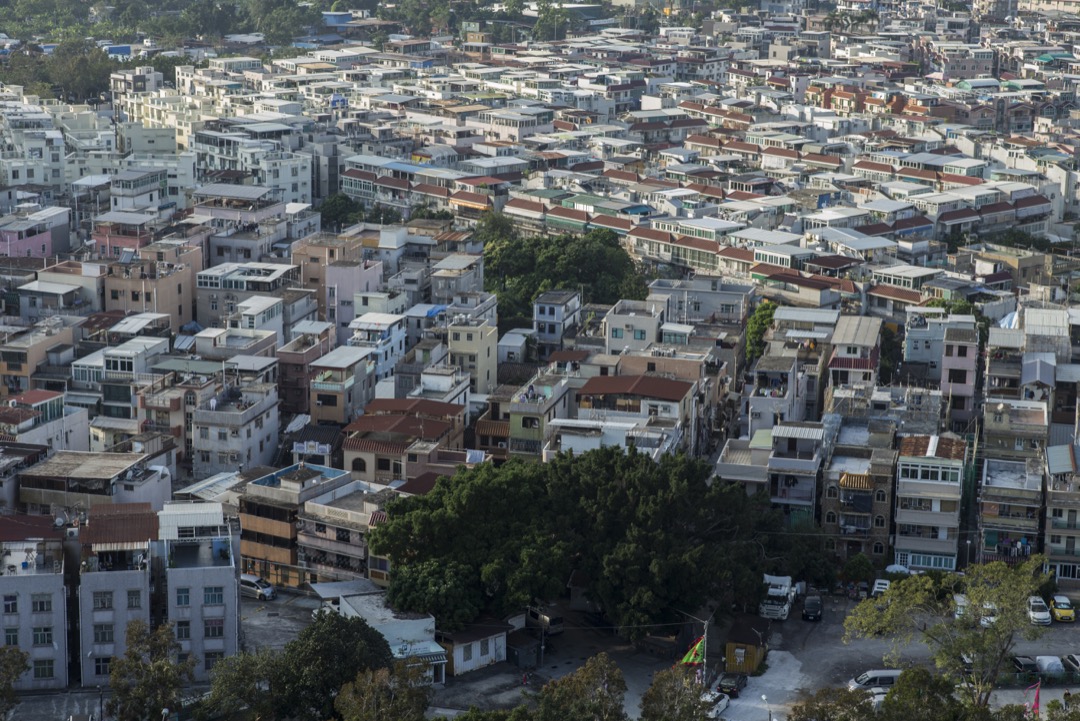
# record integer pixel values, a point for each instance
(237, 428)
(384, 334)
(35, 600)
(929, 487)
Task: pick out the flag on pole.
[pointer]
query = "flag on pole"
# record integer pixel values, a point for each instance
(696, 654)
(1035, 703)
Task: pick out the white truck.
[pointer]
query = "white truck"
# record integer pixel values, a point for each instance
(778, 599)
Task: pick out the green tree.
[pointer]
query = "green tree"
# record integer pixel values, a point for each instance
(891, 351)
(491, 524)
(858, 568)
(240, 687)
(339, 211)
(919, 695)
(426, 212)
(324, 657)
(439, 587)
(13, 664)
(519, 269)
(79, 69)
(674, 695)
(401, 693)
(922, 607)
(146, 678)
(834, 704)
(594, 692)
(756, 327)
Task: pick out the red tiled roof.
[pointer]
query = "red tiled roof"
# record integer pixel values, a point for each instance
(363, 445)
(401, 424)
(958, 216)
(429, 189)
(33, 397)
(990, 209)
(522, 204)
(420, 406)
(387, 182)
(697, 243)
(25, 528)
(569, 214)
(919, 447)
(895, 293)
(1029, 202)
(872, 166)
(651, 234)
(359, 174)
(644, 386)
(607, 221)
(743, 254)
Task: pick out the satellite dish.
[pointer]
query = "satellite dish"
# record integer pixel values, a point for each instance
(58, 522)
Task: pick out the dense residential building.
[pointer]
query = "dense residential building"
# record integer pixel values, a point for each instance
(929, 488)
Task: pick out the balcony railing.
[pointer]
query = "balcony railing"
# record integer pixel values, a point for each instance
(798, 463)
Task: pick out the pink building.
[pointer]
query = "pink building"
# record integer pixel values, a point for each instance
(959, 367)
(26, 238)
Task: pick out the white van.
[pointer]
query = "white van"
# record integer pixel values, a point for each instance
(884, 678)
(545, 618)
(256, 587)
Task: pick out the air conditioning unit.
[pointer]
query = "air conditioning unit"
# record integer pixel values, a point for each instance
(318, 403)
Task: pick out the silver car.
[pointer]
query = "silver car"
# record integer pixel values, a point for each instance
(1038, 613)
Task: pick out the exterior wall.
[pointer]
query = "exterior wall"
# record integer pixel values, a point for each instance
(70, 433)
(197, 612)
(250, 434)
(475, 350)
(24, 588)
(117, 583)
(458, 664)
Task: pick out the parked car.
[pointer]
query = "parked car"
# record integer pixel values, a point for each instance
(256, 587)
(811, 610)
(732, 683)
(1062, 610)
(1038, 613)
(884, 678)
(1049, 666)
(1025, 664)
(877, 696)
(1071, 663)
(989, 615)
(718, 703)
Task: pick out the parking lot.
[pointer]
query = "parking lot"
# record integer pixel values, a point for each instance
(803, 657)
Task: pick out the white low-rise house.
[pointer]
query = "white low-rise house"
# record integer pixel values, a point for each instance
(478, 645)
(411, 636)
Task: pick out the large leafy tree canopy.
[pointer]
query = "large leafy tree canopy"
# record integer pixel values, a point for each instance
(922, 607)
(651, 537)
(518, 269)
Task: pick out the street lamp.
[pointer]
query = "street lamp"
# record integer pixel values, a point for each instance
(767, 706)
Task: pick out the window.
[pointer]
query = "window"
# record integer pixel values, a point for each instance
(102, 666)
(11, 603)
(204, 433)
(961, 351)
(879, 548)
(213, 596)
(879, 496)
(830, 517)
(343, 535)
(114, 294)
(102, 600)
(43, 635)
(383, 464)
(11, 636)
(214, 628)
(949, 351)
(530, 422)
(211, 659)
(485, 647)
(616, 332)
(183, 630)
(103, 633)
(360, 465)
(879, 521)
(183, 597)
(41, 603)
(135, 599)
(957, 375)
(43, 668)
(831, 492)
(466, 652)
(639, 335)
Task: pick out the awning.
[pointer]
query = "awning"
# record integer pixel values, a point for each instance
(855, 481)
(431, 659)
(470, 204)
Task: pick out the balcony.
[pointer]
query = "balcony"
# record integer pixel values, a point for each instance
(792, 496)
(927, 518)
(333, 387)
(1064, 524)
(332, 545)
(1012, 522)
(175, 431)
(925, 543)
(1063, 553)
(803, 462)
